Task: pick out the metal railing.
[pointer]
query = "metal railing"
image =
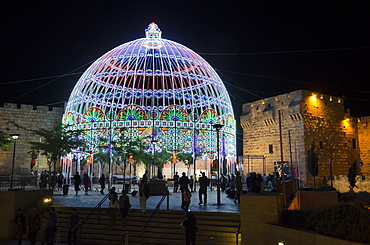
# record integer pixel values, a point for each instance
(25, 210)
(124, 239)
(237, 233)
(96, 208)
(155, 211)
(19, 182)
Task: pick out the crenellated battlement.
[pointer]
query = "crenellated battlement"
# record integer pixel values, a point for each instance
(32, 107)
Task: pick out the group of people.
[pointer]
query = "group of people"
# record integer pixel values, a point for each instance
(85, 181)
(46, 223)
(54, 180)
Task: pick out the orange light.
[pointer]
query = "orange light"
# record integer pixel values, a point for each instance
(313, 97)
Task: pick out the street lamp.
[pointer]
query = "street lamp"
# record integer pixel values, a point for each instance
(14, 137)
(218, 127)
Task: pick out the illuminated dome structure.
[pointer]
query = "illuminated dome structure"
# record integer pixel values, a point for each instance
(153, 86)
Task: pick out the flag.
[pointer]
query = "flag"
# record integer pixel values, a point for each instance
(33, 159)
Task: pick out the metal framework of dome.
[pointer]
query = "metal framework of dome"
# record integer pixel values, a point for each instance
(154, 86)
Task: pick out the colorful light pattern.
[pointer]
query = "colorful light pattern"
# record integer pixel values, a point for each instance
(154, 83)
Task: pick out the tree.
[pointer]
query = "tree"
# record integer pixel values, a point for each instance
(4, 141)
(55, 143)
(312, 163)
(102, 158)
(352, 175)
(161, 158)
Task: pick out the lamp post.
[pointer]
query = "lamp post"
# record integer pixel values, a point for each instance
(14, 137)
(218, 127)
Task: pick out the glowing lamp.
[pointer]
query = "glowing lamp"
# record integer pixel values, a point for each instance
(47, 200)
(313, 97)
(280, 243)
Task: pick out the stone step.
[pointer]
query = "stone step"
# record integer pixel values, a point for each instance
(221, 226)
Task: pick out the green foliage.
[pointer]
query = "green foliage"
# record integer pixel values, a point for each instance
(55, 143)
(345, 221)
(4, 141)
(141, 156)
(186, 158)
(352, 175)
(162, 157)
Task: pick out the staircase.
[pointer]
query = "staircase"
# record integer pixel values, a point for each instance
(221, 226)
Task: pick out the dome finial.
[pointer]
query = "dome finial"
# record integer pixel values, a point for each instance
(153, 31)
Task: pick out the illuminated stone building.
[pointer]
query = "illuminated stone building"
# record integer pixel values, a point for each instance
(306, 119)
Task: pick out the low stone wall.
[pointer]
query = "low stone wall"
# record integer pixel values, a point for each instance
(255, 210)
(341, 183)
(306, 200)
(277, 233)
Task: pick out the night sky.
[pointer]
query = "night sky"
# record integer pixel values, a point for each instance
(260, 48)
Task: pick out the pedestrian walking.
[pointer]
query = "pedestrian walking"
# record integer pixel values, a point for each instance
(52, 226)
(239, 187)
(186, 197)
(204, 183)
(175, 182)
(223, 182)
(145, 176)
(34, 223)
(112, 210)
(44, 225)
(191, 183)
(102, 183)
(73, 226)
(20, 221)
(144, 193)
(184, 181)
(124, 204)
(87, 183)
(191, 228)
(77, 179)
(113, 194)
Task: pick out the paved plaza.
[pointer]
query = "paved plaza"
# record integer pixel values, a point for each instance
(94, 197)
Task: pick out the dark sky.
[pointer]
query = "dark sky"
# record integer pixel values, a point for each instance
(259, 48)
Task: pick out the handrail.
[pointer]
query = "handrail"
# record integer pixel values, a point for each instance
(152, 214)
(25, 210)
(124, 239)
(237, 233)
(97, 207)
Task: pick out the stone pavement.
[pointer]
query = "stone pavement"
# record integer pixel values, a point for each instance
(94, 197)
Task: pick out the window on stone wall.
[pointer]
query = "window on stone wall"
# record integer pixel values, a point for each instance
(354, 144)
(321, 144)
(271, 149)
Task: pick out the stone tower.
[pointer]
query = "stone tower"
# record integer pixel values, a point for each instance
(306, 118)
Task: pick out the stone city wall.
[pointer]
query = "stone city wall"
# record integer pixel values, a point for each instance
(305, 119)
(364, 142)
(31, 117)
